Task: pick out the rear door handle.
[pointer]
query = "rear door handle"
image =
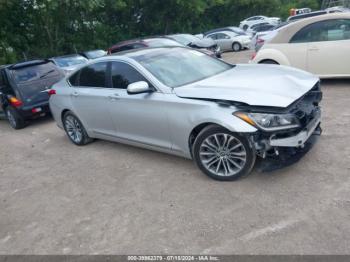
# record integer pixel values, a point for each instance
(75, 94)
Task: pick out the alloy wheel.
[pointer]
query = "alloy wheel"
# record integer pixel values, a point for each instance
(223, 154)
(236, 47)
(74, 129)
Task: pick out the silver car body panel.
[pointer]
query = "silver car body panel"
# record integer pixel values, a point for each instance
(259, 85)
(163, 120)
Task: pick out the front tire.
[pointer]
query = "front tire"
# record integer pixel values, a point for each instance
(236, 47)
(16, 121)
(223, 155)
(75, 129)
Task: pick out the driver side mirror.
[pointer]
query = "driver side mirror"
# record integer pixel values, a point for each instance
(139, 88)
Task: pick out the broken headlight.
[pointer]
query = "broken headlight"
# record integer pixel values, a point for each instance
(270, 122)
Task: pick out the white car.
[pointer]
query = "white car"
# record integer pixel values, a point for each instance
(230, 41)
(320, 45)
(245, 24)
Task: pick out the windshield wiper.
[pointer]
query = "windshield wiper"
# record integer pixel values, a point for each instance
(48, 72)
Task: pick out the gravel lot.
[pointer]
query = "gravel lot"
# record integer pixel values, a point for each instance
(107, 198)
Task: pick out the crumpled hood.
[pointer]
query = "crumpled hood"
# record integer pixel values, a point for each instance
(256, 85)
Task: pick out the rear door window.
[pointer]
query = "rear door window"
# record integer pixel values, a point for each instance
(93, 75)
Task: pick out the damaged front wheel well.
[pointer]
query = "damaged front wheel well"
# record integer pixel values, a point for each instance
(195, 132)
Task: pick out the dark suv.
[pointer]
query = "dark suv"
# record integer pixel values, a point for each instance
(24, 90)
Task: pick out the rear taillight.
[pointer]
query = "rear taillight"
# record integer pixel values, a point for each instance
(51, 92)
(15, 102)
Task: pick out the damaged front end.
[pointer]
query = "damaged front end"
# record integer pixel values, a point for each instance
(285, 146)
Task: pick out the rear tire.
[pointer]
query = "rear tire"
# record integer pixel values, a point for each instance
(222, 154)
(236, 47)
(15, 119)
(75, 129)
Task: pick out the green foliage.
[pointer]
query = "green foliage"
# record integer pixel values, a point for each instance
(44, 28)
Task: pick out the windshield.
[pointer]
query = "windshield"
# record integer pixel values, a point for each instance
(70, 61)
(95, 54)
(178, 67)
(185, 39)
(162, 42)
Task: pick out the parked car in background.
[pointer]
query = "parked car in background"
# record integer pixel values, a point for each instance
(157, 42)
(337, 9)
(234, 29)
(245, 24)
(182, 102)
(298, 11)
(24, 90)
(93, 54)
(69, 63)
(320, 45)
(197, 43)
(306, 15)
(230, 41)
(260, 38)
(261, 27)
(142, 43)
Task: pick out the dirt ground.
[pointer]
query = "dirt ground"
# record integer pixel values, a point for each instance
(108, 198)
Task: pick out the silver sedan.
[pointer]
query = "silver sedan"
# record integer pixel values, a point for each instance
(183, 102)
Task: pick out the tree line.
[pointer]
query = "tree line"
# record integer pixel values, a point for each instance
(44, 28)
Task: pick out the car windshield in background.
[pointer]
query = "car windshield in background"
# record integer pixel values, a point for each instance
(33, 73)
(70, 61)
(161, 42)
(185, 39)
(179, 67)
(95, 54)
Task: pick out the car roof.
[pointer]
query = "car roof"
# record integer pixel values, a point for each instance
(94, 50)
(287, 32)
(28, 63)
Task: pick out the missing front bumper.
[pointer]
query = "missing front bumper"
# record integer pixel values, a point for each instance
(299, 139)
(288, 155)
